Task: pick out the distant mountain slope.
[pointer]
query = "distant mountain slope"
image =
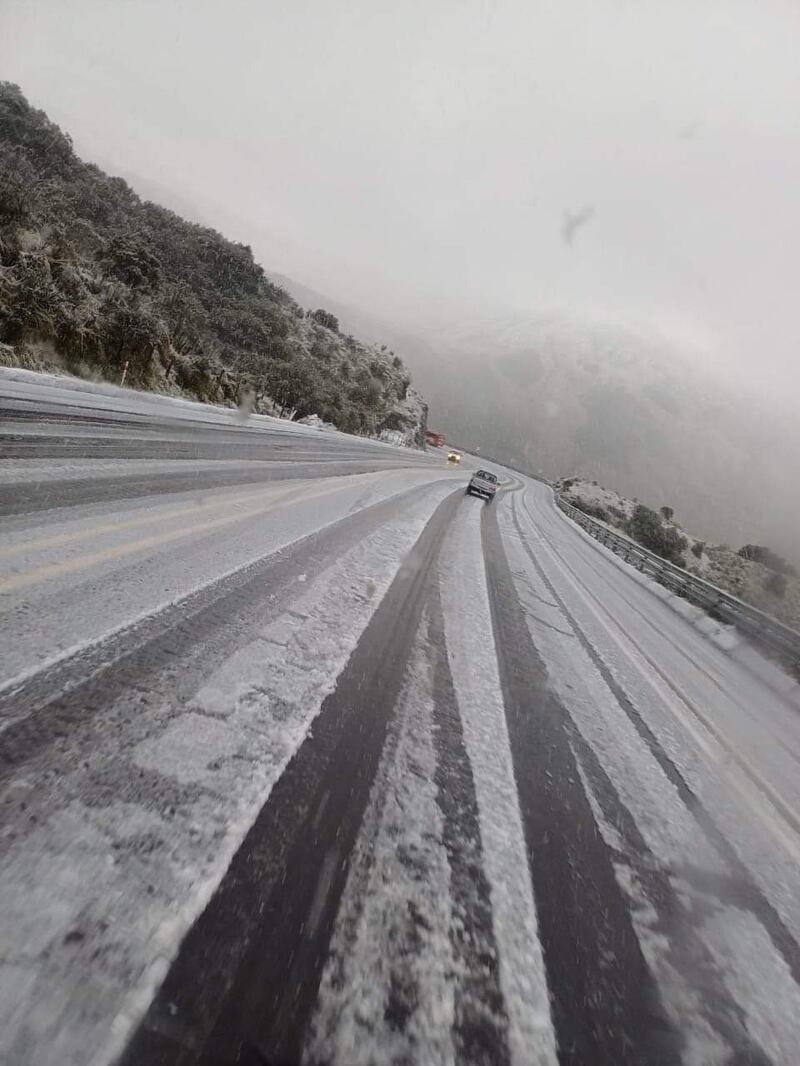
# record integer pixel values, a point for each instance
(554, 396)
(96, 279)
(551, 395)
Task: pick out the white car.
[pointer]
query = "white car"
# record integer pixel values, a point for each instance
(482, 483)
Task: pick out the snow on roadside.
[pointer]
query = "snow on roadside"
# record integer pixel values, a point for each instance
(576, 490)
(110, 887)
(473, 662)
(725, 636)
(774, 593)
(666, 825)
(386, 993)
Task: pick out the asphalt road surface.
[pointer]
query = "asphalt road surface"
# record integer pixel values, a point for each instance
(305, 756)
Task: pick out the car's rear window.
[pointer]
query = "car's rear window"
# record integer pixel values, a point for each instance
(486, 475)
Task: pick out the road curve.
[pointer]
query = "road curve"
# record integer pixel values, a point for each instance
(305, 756)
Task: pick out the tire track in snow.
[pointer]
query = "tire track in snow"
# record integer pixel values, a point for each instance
(473, 661)
(702, 669)
(651, 837)
(677, 894)
(480, 1029)
(748, 893)
(247, 974)
(124, 826)
(52, 699)
(387, 990)
(606, 1006)
(669, 923)
(413, 971)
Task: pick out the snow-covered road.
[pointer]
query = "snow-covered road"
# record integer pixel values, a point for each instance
(306, 756)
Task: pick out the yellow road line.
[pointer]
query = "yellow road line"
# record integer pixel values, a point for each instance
(59, 539)
(86, 562)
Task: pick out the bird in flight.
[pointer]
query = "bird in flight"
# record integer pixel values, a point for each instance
(573, 222)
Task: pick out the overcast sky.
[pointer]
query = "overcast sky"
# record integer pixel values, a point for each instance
(631, 160)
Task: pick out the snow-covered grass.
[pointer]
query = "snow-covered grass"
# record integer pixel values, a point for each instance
(577, 490)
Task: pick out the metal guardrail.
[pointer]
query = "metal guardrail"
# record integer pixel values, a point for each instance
(766, 630)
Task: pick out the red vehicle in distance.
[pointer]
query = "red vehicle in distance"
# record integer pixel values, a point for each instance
(436, 440)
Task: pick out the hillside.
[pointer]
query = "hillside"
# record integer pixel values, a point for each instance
(94, 280)
(754, 573)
